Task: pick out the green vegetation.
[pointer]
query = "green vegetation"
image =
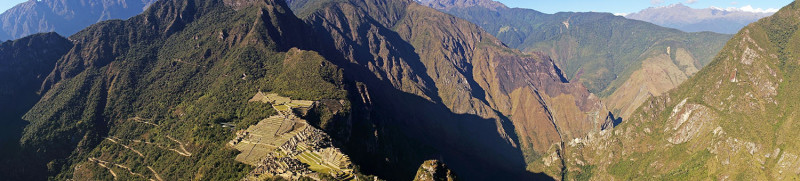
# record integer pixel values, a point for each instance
(160, 84)
(23, 65)
(745, 104)
(599, 50)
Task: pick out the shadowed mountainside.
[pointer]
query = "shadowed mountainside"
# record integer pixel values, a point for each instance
(457, 68)
(623, 61)
(24, 63)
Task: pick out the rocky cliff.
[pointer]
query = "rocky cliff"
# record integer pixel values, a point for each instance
(463, 91)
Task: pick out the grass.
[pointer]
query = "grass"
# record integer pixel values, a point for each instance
(316, 163)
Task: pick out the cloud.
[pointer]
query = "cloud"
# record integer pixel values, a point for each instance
(691, 1)
(748, 8)
(656, 2)
(621, 14)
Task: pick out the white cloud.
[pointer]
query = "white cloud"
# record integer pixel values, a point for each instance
(656, 2)
(691, 1)
(621, 14)
(749, 8)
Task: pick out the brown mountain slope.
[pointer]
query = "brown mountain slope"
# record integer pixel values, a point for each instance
(143, 98)
(505, 100)
(606, 53)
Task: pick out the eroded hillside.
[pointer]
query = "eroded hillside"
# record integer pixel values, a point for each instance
(733, 120)
(622, 61)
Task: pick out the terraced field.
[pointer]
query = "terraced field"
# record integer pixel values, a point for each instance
(264, 137)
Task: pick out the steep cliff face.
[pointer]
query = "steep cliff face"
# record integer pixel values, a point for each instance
(24, 64)
(608, 54)
(460, 88)
(733, 120)
(64, 16)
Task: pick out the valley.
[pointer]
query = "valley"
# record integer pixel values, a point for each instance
(391, 90)
(608, 58)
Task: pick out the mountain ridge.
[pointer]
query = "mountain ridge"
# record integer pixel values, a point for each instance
(23, 65)
(63, 16)
(734, 119)
(688, 19)
(602, 56)
(162, 82)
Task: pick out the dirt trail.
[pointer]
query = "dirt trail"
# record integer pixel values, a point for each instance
(185, 152)
(182, 153)
(155, 173)
(126, 146)
(142, 120)
(104, 163)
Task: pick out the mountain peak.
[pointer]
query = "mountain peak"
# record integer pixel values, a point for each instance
(685, 18)
(447, 4)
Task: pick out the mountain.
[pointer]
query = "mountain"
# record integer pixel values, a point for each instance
(442, 87)
(623, 61)
(24, 63)
(65, 17)
(162, 95)
(733, 120)
(447, 4)
(684, 18)
(144, 98)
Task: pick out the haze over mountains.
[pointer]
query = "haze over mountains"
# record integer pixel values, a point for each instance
(65, 17)
(684, 18)
(470, 90)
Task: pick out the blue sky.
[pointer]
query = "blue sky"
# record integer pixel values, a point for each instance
(6, 4)
(632, 6)
(612, 6)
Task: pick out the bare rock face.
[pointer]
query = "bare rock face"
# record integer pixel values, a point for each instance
(687, 120)
(434, 170)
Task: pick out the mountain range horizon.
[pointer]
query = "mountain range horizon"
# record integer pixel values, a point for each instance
(395, 90)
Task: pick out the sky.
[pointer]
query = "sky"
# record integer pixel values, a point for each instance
(632, 6)
(8, 4)
(611, 6)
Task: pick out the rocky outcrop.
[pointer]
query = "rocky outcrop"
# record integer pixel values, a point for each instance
(434, 170)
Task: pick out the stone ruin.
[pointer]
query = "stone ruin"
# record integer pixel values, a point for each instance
(294, 137)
